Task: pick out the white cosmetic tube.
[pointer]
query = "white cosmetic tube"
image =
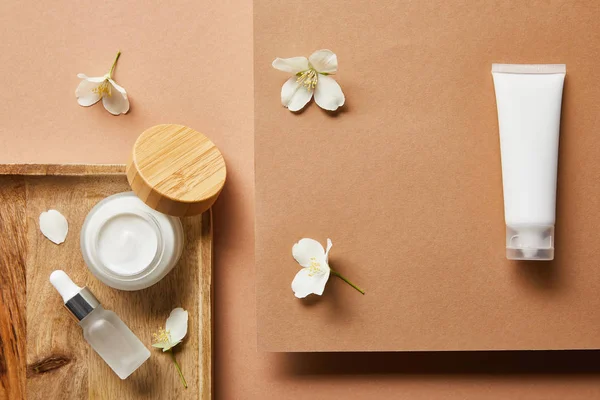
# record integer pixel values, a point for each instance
(529, 101)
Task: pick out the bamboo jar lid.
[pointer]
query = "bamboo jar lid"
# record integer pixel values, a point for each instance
(176, 170)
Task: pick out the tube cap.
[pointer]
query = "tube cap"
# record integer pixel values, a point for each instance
(79, 301)
(530, 242)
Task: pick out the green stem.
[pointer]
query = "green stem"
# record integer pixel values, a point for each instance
(342, 277)
(112, 69)
(178, 368)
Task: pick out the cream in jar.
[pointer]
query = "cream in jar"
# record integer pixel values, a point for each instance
(128, 245)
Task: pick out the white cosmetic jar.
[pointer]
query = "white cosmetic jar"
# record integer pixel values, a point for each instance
(128, 245)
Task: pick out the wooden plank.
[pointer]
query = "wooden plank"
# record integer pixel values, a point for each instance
(12, 286)
(205, 321)
(59, 362)
(62, 169)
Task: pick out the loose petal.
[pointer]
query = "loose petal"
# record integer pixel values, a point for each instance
(294, 96)
(328, 94)
(304, 283)
(177, 325)
(306, 249)
(117, 103)
(324, 61)
(86, 96)
(54, 226)
(292, 65)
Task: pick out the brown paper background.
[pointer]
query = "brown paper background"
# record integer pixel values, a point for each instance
(45, 45)
(406, 179)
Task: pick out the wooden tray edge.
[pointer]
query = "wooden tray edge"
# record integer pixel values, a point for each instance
(62, 169)
(206, 322)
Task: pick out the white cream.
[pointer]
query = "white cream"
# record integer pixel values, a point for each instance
(128, 245)
(529, 101)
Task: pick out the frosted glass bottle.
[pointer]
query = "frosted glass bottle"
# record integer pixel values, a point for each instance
(114, 341)
(102, 329)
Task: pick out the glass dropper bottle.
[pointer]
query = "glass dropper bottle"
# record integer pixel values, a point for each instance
(102, 329)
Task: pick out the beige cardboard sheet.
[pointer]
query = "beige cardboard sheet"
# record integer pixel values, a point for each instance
(406, 178)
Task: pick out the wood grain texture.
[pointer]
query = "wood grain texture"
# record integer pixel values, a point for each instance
(176, 170)
(57, 362)
(12, 285)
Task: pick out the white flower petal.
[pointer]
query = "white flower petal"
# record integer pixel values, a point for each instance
(95, 79)
(54, 226)
(119, 88)
(329, 244)
(117, 103)
(328, 94)
(292, 65)
(304, 283)
(85, 91)
(294, 96)
(306, 249)
(177, 325)
(324, 61)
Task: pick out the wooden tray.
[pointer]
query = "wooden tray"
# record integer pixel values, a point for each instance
(44, 355)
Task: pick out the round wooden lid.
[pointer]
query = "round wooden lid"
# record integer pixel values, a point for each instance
(176, 170)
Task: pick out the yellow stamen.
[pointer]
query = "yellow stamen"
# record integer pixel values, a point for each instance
(314, 268)
(308, 79)
(162, 336)
(103, 89)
